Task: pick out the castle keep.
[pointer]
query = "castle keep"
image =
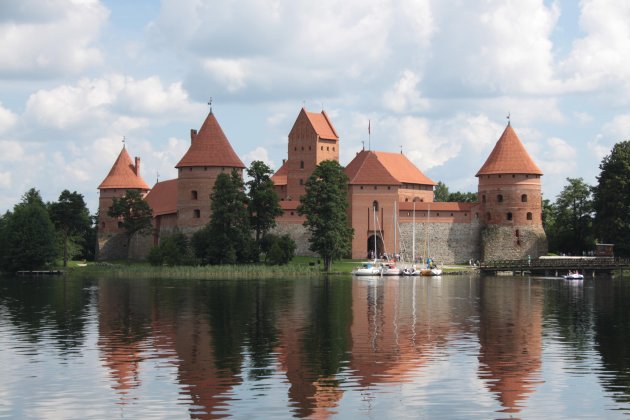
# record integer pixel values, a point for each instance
(391, 205)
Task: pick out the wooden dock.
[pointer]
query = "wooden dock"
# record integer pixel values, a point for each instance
(557, 266)
(40, 273)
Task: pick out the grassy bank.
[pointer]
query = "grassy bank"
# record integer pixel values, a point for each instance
(299, 266)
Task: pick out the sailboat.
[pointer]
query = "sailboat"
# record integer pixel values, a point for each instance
(431, 268)
(411, 270)
(370, 268)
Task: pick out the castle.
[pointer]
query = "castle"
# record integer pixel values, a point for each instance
(391, 205)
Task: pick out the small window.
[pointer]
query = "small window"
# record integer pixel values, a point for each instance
(438, 214)
(301, 181)
(451, 214)
(196, 213)
(499, 198)
(524, 198)
(361, 186)
(375, 205)
(513, 176)
(301, 164)
(327, 149)
(205, 168)
(103, 225)
(529, 216)
(189, 169)
(309, 147)
(333, 148)
(488, 216)
(120, 225)
(322, 148)
(295, 149)
(389, 188)
(483, 198)
(517, 233)
(302, 148)
(406, 199)
(291, 213)
(193, 195)
(375, 187)
(509, 216)
(499, 176)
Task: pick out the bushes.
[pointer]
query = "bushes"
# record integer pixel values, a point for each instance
(278, 250)
(173, 250)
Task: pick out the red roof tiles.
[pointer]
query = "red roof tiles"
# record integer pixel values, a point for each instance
(509, 157)
(124, 174)
(280, 177)
(436, 206)
(210, 147)
(163, 197)
(383, 168)
(321, 124)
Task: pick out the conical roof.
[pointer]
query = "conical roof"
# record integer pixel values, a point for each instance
(369, 167)
(509, 157)
(210, 147)
(123, 174)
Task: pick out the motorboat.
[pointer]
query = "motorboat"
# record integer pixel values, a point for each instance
(410, 271)
(431, 272)
(574, 276)
(368, 268)
(389, 269)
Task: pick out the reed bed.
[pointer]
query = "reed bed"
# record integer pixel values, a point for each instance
(198, 272)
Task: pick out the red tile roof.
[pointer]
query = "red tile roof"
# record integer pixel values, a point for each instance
(123, 174)
(509, 157)
(163, 197)
(383, 168)
(280, 177)
(322, 125)
(289, 205)
(210, 147)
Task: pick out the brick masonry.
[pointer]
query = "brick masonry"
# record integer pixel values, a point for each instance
(513, 242)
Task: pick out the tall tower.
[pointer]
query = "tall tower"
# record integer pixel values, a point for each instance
(510, 196)
(312, 140)
(124, 175)
(209, 154)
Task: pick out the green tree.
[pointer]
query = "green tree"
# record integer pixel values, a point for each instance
(462, 197)
(71, 217)
(573, 214)
(135, 213)
(325, 206)
(263, 205)
(28, 237)
(440, 192)
(226, 239)
(611, 199)
(173, 250)
(278, 249)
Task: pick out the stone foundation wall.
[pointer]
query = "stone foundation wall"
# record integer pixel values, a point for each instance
(446, 243)
(502, 242)
(299, 234)
(114, 247)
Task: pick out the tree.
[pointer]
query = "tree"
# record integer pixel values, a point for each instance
(573, 218)
(70, 216)
(277, 249)
(263, 206)
(325, 206)
(28, 237)
(226, 239)
(440, 193)
(611, 199)
(172, 250)
(135, 213)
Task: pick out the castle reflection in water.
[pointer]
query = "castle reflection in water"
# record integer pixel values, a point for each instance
(316, 347)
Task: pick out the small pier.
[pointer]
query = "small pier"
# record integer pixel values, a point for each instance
(40, 273)
(557, 266)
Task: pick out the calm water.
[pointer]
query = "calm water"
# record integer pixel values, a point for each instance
(455, 347)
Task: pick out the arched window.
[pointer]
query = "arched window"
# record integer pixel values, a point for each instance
(529, 216)
(509, 216)
(375, 205)
(499, 198)
(524, 198)
(196, 213)
(517, 233)
(301, 164)
(488, 216)
(483, 198)
(193, 195)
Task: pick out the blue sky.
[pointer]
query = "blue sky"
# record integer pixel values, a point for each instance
(435, 78)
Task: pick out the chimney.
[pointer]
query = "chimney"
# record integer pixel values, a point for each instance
(137, 168)
(193, 134)
(284, 161)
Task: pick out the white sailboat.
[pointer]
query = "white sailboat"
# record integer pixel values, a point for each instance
(431, 268)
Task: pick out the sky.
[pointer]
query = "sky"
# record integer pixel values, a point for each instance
(436, 79)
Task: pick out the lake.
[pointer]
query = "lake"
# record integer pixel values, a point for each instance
(450, 347)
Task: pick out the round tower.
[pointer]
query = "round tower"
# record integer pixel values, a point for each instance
(209, 154)
(124, 175)
(510, 197)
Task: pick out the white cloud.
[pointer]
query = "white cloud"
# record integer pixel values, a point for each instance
(557, 158)
(231, 73)
(259, 153)
(5, 179)
(94, 100)
(12, 151)
(51, 38)
(7, 119)
(404, 96)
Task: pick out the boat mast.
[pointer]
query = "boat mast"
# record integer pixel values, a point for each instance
(413, 235)
(395, 227)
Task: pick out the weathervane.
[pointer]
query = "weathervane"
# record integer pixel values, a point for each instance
(400, 149)
(123, 141)
(508, 117)
(157, 176)
(210, 104)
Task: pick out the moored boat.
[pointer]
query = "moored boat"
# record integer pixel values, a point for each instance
(574, 276)
(431, 271)
(368, 268)
(390, 269)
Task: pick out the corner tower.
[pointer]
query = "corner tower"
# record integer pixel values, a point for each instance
(510, 197)
(124, 175)
(210, 153)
